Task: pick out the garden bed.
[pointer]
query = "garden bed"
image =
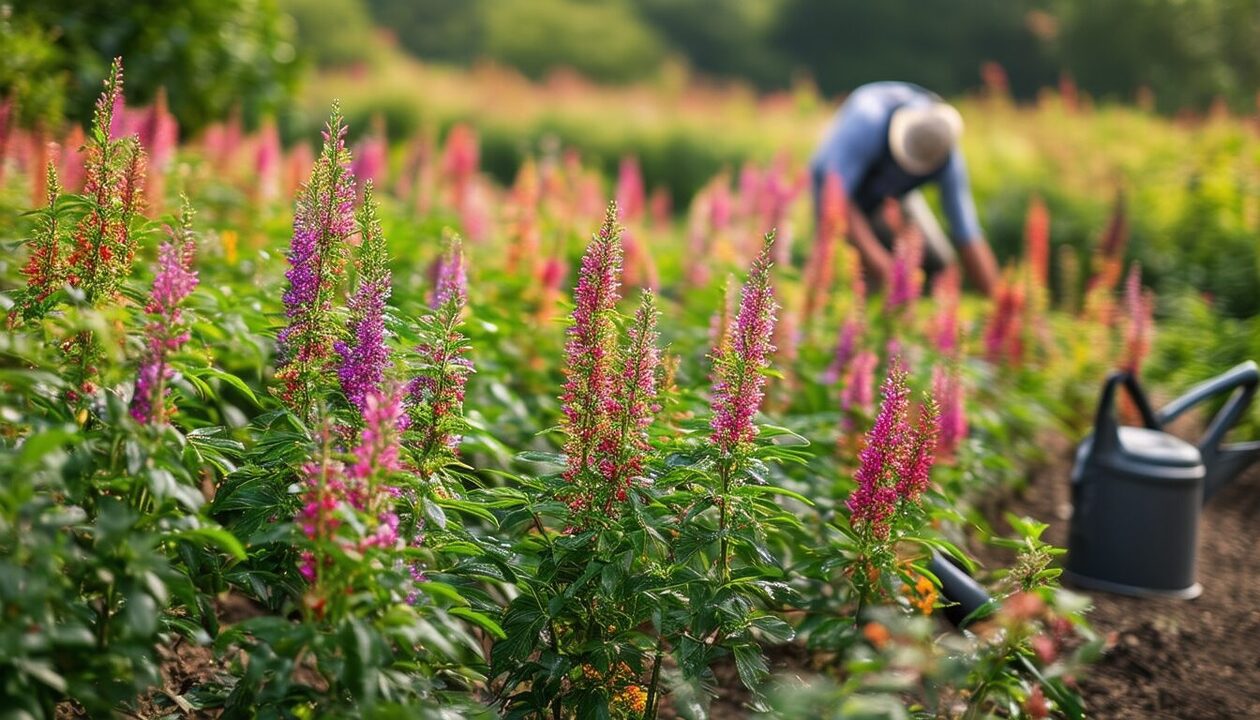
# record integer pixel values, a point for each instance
(1172, 659)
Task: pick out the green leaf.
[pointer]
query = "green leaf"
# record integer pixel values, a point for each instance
(774, 628)
(482, 621)
(434, 512)
(537, 456)
(469, 508)
(217, 537)
(39, 445)
(784, 435)
(42, 671)
(750, 664)
(441, 590)
(228, 378)
(755, 490)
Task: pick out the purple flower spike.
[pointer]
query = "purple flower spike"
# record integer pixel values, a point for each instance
(323, 221)
(365, 359)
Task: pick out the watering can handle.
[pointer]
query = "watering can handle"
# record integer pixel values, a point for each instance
(1106, 434)
(1242, 379)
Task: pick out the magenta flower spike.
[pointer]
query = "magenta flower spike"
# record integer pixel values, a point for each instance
(947, 387)
(332, 489)
(859, 387)
(846, 348)
(875, 497)
(895, 465)
(175, 280)
(1003, 335)
(158, 131)
(634, 406)
(452, 277)
(436, 395)
(267, 158)
(590, 351)
(945, 325)
(1138, 307)
(738, 372)
(324, 490)
(919, 454)
(630, 191)
(905, 284)
(371, 161)
(378, 453)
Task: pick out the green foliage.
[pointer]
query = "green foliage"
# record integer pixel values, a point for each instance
(724, 38)
(438, 29)
(332, 33)
(207, 529)
(31, 71)
(938, 44)
(536, 36)
(1195, 344)
(1201, 52)
(211, 56)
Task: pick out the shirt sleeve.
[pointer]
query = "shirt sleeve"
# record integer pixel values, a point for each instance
(854, 145)
(956, 201)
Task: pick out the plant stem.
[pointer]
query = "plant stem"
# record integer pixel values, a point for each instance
(649, 707)
(724, 471)
(551, 626)
(106, 611)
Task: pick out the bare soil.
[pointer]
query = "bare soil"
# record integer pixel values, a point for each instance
(1196, 659)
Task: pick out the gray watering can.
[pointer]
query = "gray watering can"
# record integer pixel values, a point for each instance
(1137, 491)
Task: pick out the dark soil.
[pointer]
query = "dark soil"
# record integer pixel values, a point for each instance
(1197, 659)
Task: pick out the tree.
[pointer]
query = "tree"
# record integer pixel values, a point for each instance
(210, 55)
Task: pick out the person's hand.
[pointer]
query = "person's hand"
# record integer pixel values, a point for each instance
(876, 260)
(981, 266)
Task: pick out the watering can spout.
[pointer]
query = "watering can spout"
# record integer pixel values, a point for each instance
(1229, 462)
(1223, 463)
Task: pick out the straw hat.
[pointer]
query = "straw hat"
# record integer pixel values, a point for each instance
(922, 137)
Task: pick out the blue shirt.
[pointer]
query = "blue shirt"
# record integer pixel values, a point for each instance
(856, 148)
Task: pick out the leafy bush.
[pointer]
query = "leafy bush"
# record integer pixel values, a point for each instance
(210, 57)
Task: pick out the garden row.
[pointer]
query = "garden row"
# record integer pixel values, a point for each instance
(391, 473)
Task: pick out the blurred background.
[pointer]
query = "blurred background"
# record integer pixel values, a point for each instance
(212, 55)
(1141, 107)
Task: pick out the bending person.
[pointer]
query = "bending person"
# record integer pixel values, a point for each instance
(887, 140)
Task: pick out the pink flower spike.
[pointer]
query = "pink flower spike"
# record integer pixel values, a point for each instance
(739, 371)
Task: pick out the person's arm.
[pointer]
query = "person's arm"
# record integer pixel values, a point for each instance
(981, 266)
(853, 146)
(964, 225)
(876, 260)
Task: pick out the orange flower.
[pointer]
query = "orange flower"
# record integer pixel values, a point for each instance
(922, 595)
(876, 634)
(633, 698)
